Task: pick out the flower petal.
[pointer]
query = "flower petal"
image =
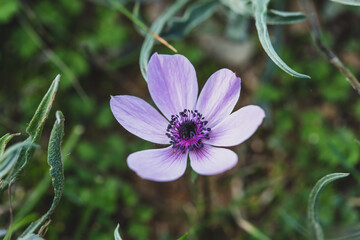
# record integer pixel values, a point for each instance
(172, 83)
(211, 160)
(161, 165)
(237, 127)
(219, 96)
(140, 118)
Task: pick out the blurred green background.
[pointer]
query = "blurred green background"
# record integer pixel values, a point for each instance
(311, 128)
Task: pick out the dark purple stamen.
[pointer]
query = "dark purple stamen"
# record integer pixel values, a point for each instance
(187, 130)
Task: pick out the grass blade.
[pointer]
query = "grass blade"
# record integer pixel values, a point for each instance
(260, 10)
(56, 171)
(156, 28)
(313, 222)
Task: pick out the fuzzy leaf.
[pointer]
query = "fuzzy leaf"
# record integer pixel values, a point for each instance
(11, 156)
(34, 130)
(56, 171)
(116, 233)
(276, 17)
(31, 236)
(260, 10)
(156, 28)
(313, 222)
(4, 140)
(195, 14)
(348, 2)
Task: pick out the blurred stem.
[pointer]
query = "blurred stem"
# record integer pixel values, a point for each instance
(50, 54)
(207, 198)
(85, 218)
(330, 55)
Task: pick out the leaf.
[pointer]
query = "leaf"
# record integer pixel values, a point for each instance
(183, 237)
(156, 28)
(260, 9)
(34, 130)
(31, 236)
(276, 17)
(314, 225)
(56, 171)
(348, 2)
(195, 14)
(11, 156)
(116, 233)
(8, 8)
(4, 140)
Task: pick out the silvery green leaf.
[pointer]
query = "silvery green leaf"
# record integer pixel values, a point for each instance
(34, 130)
(260, 10)
(313, 222)
(276, 17)
(56, 171)
(116, 233)
(4, 140)
(241, 7)
(348, 2)
(31, 236)
(195, 14)
(11, 156)
(156, 28)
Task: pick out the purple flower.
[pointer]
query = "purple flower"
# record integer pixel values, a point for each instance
(193, 126)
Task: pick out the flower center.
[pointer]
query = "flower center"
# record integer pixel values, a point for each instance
(187, 130)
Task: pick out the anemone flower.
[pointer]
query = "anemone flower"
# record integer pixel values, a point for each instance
(194, 126)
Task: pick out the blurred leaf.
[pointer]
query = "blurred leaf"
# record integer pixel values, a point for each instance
(4, 140)
(195, 14)
(34, 130)
(156, 28)
(11, 156)
(260, 9)
(116, 233)
(241, 7)
(348, 2)
(56, 171)
(183, 237)
(280, 17)
(31, 236)
(314, 225)
(8, 8)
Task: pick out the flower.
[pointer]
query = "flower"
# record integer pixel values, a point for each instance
(194, 126)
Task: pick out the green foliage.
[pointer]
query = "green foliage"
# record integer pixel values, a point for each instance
(156, 28)
(56, 172)
(8, 8)
(195, 14)
(314, 225)
(260, 9)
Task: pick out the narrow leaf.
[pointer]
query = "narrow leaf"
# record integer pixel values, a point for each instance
(195, 14)
(116, 233)
(348, 2)
(34, 130)
(56, 171)
(4, 140)
(31, 236)
(156, 28)
(260, 9)
(313, 222)
(11, 156)
(276, 17)
(183, 237)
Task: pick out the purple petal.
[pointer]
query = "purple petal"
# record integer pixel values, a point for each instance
(237, 127)
(161, 165)
(140, 118)
(172, 83)
(219, 96)
(211, 160)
